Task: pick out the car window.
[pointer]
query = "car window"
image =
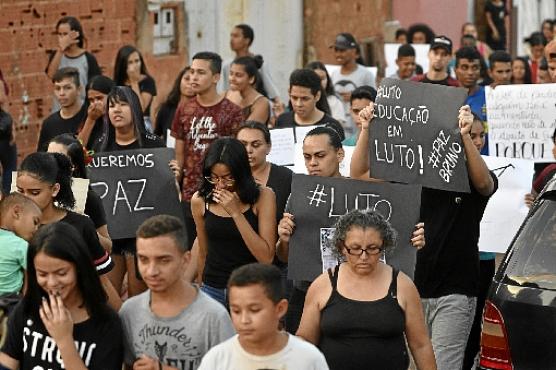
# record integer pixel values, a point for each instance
(533, 258)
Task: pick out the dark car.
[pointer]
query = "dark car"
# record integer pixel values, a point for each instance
(519, 319)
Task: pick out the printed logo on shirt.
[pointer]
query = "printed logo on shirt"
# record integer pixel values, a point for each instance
(203, 128)
(43, 352)
(169, 345)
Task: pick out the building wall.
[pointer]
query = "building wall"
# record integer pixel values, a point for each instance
(27, 35)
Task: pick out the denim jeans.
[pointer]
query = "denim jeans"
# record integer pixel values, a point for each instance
(449, 319)
(217, 294)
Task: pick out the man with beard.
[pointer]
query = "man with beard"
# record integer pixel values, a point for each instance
(439, 57)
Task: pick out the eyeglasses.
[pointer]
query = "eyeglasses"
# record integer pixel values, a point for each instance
(371, 251)
(216, 179)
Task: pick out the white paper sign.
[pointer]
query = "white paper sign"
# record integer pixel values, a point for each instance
(521, 120)
(391, 54)
(283, 146)
(506, 209)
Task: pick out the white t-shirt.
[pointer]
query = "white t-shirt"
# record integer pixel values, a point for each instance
(297, 354)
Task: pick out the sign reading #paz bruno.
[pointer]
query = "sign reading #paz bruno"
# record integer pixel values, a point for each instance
(415, 137)
(134, 185)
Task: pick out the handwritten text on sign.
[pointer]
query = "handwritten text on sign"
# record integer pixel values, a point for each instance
(414, 136)
(521, 120)
(134, 185)
(317, 203)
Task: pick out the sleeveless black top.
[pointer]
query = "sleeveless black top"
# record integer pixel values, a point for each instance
(363, 334)
(226, 248)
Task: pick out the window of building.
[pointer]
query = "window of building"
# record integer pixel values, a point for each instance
(164, 33)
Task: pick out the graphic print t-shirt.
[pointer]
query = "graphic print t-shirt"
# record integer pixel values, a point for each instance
(198, 127)
(179, 341)
(99, 343)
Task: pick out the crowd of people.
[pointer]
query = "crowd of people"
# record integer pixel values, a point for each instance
(210, 290)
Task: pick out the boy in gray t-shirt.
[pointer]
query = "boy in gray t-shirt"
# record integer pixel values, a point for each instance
(173, 324)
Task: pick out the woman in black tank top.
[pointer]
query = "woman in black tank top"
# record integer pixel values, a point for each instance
(235, 218)
(359, 313)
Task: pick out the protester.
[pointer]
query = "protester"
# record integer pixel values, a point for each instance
(198, 123)
(497, 19)
(8, 147)
(521, 72)
(243, 92)
(536, 43)
(360, 98)
(367, 288)
(71, 53)
(471, 30)
(405, 62)
(500, 68)
(351, 73)
(447, 269)
(241, 39)
(420, 33)
(256, 307)
(181, 93)
(90, 132)
(550, 55)
(235, 217)
(544, 177)
(72, 112)
(401, 36)
(547, 29)
(130, 70)
(19, 220)
(439, 56)
(63, 321)
(125, 131)
(334, 103)
(70, 146)
(307, 100)
(173, 324)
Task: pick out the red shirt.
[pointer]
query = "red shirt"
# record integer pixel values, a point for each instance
(198, 127)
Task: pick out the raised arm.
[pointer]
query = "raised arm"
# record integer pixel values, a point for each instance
(286, 226)
(476, 166)
(360, 162)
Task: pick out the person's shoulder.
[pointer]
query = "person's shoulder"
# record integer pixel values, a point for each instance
(8, 237)
(52, 119)
(418, 78)
(219, 355)
(132, 304)
(208, 305)
(285, 120)
(306, 351)
(229, 105)
(453, 82)
(281, 170)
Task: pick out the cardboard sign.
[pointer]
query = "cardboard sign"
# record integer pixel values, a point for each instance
(414, 137)
(134, 185)
(521, 120)
(317, 203)
(506, 209)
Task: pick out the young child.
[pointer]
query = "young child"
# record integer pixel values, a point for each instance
(256, 308)
(19, 219)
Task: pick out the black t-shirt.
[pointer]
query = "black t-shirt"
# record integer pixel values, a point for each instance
(449, 263)
(99, 342)
(96, 133)
(280, 181)
(149, 86)
(497, 13)
(164, 120)
(55, 125)
(86, 228)
(148, 141)
(94, 209)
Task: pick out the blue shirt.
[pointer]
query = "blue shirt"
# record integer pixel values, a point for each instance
(477, 102)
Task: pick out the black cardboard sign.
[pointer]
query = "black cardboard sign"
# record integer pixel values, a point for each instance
(317, 203)
(415, 138)
(134, 185)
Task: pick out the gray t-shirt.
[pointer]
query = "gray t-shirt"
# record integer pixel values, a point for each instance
(179, 341)
(81, 64)
(297, 354)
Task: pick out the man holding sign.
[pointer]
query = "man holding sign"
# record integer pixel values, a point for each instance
(447, 269)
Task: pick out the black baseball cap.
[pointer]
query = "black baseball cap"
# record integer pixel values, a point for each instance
(442, 42)
(344, 41)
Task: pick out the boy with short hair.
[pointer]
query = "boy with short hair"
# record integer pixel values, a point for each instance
(256, 307)
(19, 220)
(500, 68)
(72, 112)
(405, 62)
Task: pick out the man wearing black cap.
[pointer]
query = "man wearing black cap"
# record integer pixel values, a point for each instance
(439, 57)
(351, 74)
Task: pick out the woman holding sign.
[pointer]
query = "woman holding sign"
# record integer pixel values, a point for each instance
(234, 216)
(361, 312)
(125, 131)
